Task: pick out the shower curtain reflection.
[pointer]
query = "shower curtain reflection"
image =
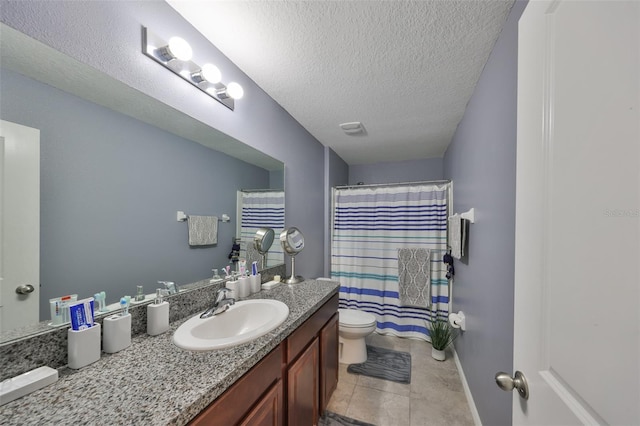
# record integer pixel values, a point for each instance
(369, 225)
(260, 209)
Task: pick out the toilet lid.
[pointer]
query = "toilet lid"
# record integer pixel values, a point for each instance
(355, 318)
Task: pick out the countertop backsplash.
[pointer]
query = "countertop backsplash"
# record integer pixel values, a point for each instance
(49, 345)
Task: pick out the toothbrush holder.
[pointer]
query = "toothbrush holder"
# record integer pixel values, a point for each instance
(117, 333)
(243, 288)
(83, 346)
(256, 283)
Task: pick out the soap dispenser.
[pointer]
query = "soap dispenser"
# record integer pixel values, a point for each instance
(158, 314)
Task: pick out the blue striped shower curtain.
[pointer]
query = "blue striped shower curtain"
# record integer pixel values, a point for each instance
(369, 225)
(261, 209)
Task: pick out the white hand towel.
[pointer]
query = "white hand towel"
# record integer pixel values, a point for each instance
(455, 235)
(203, 230)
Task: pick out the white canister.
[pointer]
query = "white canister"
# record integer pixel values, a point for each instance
(83, 346)
(233, 286)
(116, 335)
(243, 288)
(256, 282)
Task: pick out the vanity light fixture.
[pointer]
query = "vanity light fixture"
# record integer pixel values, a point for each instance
(175, 55)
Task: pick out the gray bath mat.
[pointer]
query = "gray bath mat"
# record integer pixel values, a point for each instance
(384, 364)
(333, 419)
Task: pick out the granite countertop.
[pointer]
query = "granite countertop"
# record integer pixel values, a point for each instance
(153, 381)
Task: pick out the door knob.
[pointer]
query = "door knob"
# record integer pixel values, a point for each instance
(24, 289)
(519, 382)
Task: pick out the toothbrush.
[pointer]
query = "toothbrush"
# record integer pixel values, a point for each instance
(124, 305)
(96, 297)
(103, 301)
(254, 268)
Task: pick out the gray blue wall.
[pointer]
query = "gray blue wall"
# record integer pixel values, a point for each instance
(336, 174)
(481, 161)
(107, 36)
(110, 190)
(398, 171)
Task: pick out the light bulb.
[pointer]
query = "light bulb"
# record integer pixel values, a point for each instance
(234, 90)
(179, 49)
(211, 73)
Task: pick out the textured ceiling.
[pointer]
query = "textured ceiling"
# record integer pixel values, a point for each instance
(405, 69)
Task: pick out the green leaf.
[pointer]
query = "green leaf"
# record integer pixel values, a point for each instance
(442, 334)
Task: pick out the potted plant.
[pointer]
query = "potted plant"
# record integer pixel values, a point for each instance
(442, 335)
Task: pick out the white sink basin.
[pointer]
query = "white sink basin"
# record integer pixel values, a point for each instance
(245, 321)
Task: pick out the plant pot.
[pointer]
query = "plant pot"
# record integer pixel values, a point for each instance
(437, 354)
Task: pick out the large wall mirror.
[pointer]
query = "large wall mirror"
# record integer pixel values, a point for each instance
(115, 168)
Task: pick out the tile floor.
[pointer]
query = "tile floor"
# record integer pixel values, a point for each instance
(434, 397)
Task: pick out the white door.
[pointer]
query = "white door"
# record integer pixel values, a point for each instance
(19, 225)
(577, 298)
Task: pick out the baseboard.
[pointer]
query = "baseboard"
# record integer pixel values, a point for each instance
(467, 391)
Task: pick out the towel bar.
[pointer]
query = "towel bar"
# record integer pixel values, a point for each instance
(182, 216)
(470, 215)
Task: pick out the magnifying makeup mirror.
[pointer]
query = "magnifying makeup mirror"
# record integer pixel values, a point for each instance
(292, 242)
(262, 241)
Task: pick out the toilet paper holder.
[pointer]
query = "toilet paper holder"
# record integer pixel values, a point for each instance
(458, 320)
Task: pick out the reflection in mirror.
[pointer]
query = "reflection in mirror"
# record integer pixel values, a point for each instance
(260, 208)
(112, 179)
(292, 242)
(262, 242)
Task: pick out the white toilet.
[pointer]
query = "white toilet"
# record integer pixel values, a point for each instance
(353, 327)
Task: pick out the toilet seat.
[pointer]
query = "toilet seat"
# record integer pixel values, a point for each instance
(353, 318)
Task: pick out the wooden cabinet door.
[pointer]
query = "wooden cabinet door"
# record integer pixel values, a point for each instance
(303, 387)
(230, 407)
(328, 361)
(269, 410)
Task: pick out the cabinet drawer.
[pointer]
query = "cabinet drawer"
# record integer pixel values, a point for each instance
(244, 393)
(301, 337)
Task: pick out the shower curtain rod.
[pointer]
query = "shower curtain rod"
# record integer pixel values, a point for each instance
(424, 182)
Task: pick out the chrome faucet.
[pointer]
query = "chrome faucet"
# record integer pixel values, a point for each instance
(221, 305)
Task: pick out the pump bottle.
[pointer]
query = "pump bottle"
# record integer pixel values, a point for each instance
(158, 314)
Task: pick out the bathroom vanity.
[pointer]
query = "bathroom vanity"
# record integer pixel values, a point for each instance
(293, 382)
(284, 377)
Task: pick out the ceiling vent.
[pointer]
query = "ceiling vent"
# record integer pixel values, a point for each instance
(353, 128)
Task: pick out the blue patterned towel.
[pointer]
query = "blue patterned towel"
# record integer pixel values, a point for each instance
(414, 282)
